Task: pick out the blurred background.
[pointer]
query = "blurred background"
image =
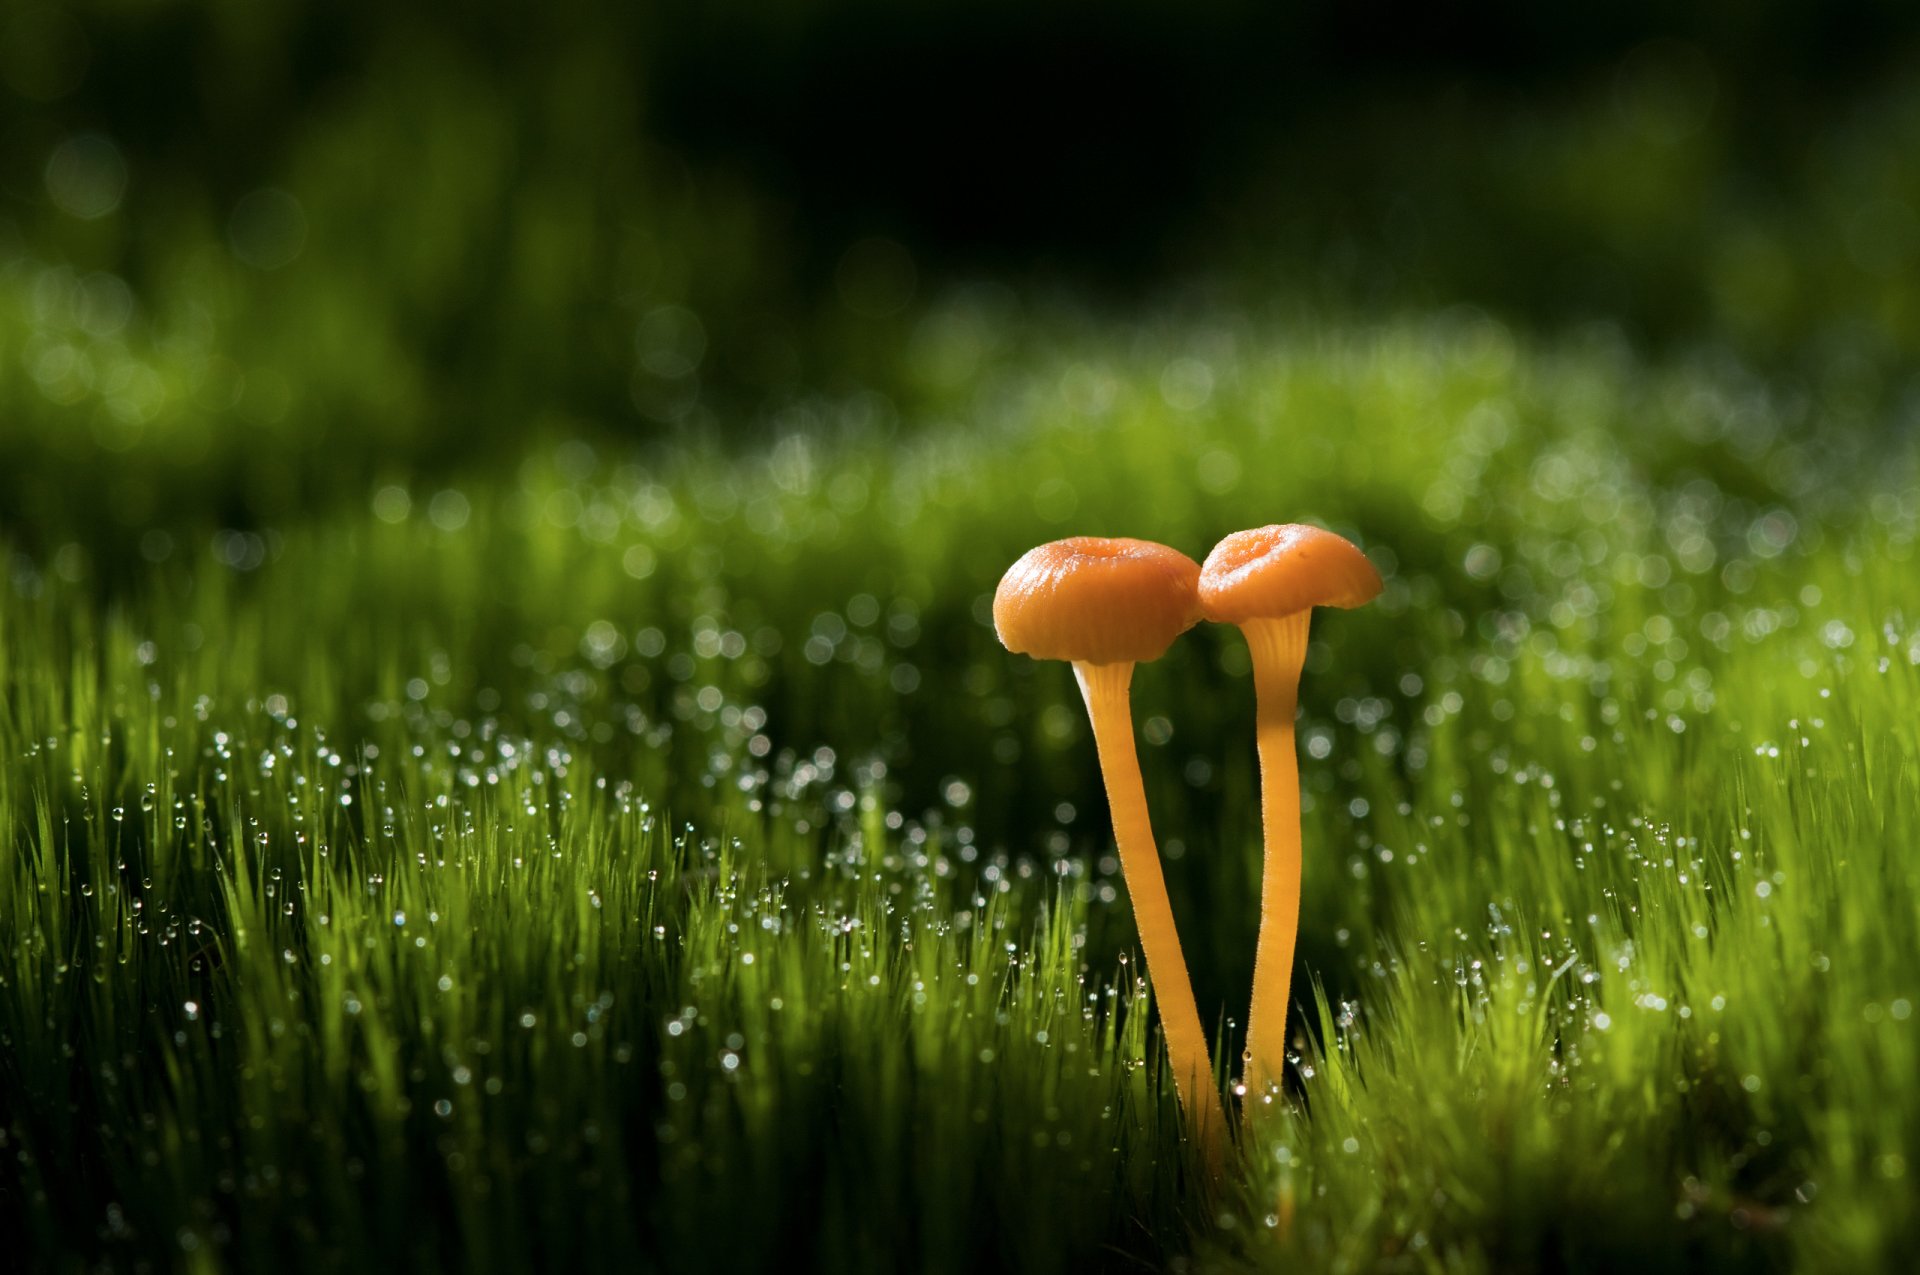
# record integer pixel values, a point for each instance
(259, 259)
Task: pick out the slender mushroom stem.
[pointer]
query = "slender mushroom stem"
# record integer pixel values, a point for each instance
(1105, 687)
(1279, 648)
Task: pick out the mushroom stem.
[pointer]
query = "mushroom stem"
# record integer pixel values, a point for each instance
(1109, 706)
(1279, 648)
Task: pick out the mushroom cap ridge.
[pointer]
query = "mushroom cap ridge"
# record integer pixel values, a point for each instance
(1281, 570)
(1097, 599)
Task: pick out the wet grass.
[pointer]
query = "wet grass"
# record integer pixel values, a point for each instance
(656, 857)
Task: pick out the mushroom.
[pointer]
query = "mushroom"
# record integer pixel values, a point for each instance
(1268, 581)
(1105, 605)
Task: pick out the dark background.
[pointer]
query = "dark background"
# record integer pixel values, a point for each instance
(355, 241)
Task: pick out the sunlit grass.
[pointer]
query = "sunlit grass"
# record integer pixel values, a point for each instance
(609, 857)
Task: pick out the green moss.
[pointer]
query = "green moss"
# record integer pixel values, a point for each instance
(713, 888)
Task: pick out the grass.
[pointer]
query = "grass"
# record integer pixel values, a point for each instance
(654, 856)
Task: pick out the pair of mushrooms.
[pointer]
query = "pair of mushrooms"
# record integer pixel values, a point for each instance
(1108, 604)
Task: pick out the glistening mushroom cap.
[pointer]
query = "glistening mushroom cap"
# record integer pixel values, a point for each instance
(1097, 600)
(1282, 570)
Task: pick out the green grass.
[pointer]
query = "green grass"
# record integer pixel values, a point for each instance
(654, 856)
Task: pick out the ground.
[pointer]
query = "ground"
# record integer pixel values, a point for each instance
(653, 852)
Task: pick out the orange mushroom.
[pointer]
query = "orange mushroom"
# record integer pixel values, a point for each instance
(1268, 581)
(1106, 605)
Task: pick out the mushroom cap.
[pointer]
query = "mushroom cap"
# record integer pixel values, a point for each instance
(1097, 600)
(1282, 570)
